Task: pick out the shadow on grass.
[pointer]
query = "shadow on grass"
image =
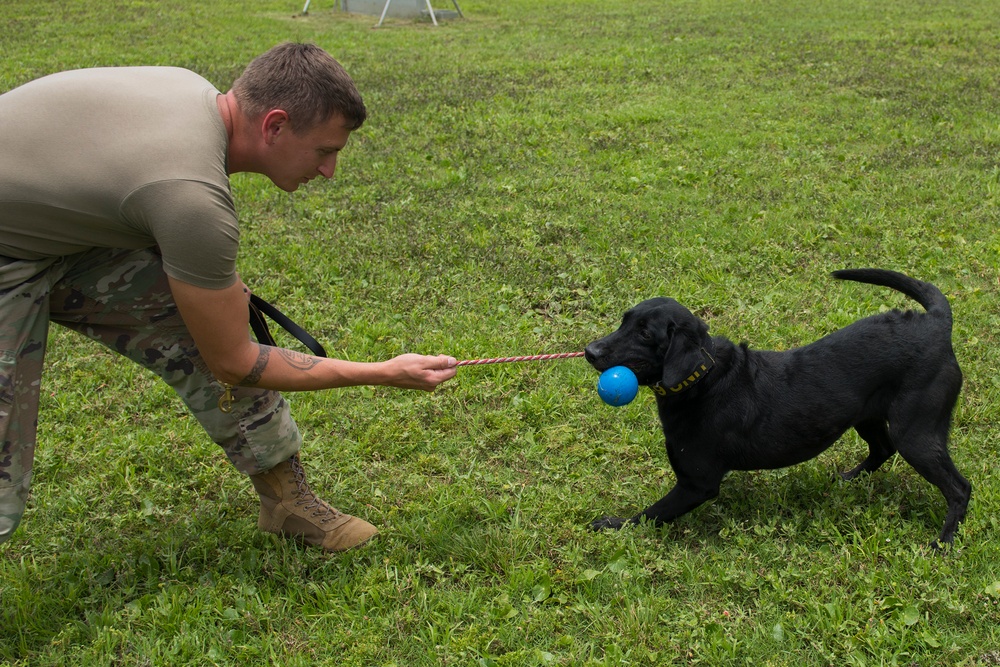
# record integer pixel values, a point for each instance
(808, 502)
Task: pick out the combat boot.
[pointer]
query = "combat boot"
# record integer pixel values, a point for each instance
(288, 507)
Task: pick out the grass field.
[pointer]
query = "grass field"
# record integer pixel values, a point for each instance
(527, 173)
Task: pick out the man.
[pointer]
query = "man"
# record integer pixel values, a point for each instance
(116, 220)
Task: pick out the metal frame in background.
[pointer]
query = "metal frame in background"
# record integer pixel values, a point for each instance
(430, 10)
(305, 9)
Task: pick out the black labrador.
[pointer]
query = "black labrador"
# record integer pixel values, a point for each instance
(893, 377)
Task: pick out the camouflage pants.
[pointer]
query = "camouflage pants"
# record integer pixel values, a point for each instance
(121, 299)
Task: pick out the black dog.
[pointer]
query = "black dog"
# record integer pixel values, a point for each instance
(893, 377)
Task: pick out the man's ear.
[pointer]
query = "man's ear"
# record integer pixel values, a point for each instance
(686, 358)
(274, 123)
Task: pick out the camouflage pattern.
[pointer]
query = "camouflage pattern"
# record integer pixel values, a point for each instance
(121, 299)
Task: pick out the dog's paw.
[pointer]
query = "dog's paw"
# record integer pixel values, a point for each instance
(606, 522)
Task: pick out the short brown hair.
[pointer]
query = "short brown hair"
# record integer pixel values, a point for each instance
(304, 81)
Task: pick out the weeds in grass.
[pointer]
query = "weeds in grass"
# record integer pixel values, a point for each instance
(527, 173)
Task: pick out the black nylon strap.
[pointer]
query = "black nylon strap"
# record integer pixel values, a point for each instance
(259, 308)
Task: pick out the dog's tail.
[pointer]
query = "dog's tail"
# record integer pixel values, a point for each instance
(926, 294)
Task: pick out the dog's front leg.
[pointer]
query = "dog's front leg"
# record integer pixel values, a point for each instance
(682, 499)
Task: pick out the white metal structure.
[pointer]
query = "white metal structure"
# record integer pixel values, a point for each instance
(430, 10)
(342, 4)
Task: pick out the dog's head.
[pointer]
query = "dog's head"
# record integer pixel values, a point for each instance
(659, 340)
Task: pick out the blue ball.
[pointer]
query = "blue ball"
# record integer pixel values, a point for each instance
(617, 386)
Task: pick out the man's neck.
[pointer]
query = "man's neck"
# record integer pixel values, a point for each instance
(236, 149)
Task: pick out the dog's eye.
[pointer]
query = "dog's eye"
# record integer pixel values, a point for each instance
(644, 334)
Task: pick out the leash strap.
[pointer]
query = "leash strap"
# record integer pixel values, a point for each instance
(259, 308)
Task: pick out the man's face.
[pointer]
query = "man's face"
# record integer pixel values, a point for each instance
(295, 158)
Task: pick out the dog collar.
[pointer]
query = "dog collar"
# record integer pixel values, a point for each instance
(696, 376)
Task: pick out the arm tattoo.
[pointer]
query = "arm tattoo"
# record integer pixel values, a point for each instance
(253, 377)
(297, 360)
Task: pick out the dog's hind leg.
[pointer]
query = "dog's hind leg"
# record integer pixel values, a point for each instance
(928, 454)
(876, 433)
(923, 443)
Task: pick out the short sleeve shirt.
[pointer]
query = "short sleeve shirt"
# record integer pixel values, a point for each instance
(120, 157)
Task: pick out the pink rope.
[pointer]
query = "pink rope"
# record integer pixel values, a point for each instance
(503, 360)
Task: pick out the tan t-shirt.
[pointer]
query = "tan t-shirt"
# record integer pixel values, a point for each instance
(121, 157)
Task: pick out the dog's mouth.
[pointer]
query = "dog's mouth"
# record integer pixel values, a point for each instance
(601, 358)
(637, 367)
(645, 373)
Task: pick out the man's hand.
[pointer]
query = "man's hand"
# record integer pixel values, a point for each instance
(416, 371)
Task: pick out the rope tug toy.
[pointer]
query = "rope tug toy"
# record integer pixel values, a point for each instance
(503, 360)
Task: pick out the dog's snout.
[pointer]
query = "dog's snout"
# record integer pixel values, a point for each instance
(592, 353)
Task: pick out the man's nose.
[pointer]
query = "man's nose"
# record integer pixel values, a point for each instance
(328, 167)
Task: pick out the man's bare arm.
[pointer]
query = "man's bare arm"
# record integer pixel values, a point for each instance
(219, 323)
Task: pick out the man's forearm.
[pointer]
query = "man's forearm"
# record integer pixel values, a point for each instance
(282, 369)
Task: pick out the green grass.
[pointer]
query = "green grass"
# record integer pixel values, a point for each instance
(526, 174)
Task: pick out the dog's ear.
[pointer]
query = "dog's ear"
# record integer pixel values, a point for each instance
(685, 358)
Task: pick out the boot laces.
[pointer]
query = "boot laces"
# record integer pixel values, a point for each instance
(306, 499)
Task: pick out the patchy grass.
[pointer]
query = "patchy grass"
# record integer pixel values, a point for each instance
(528, 173)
